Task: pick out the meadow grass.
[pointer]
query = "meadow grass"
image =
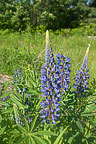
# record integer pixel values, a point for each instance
(77, 120)
(23, 50)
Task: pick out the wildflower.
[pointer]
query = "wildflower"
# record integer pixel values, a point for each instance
(82, 76)
(4, 98)
(18, 77)
(22, 91)
(63, 71)
(54, 79)
(30, 119)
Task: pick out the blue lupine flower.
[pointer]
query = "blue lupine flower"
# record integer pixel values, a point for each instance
(3, 99)
(62, 72)
(24, 90)
(18, 80)
(18, 77)
(81, 79)
(54, 79)
(28, 95)
(30, 119)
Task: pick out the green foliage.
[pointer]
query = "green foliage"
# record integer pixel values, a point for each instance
(30, 15)
(76, 124)
(89, 30)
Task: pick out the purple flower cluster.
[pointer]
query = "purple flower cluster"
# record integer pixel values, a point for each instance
(22, 91)
(49, 58)
(62, 69)
(18, 77)
(54, 82)
(81, 79)
(3, 99)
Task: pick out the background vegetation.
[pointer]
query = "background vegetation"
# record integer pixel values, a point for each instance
(19, 15)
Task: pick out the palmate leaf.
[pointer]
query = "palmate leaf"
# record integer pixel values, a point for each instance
(27, 125)
(20, 139)
(31, 140)
(37, 123)
(34, 137)
(33, 123)
(40, 140)
(23, 129)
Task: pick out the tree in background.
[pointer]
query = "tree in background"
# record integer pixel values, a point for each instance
(54, 14)
(92, 14)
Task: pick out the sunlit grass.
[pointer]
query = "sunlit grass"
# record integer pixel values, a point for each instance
(19, 50)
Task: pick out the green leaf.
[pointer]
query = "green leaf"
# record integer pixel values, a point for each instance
(91, 108)
(23, 129)
(49, 133)
(40, 140)
(32, 82)
(78, 123)
(4, 103)
(60, 135)
(33, 123)
(32, 141)
(5, 85)
(9, 110)
(6, 94)
(73, 137)
(14, 132)
(1, 118)
(48, 140)
(27, 125)
(2, 130)
(33, 92)
(38, 104)
(16, 101)
(88, 115)
(19, 139)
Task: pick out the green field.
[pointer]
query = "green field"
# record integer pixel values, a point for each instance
(23, 99)
(19, 50)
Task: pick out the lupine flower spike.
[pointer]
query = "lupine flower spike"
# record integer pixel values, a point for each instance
(18, 79)
(48, 111)
(82, 76)
(54, 79)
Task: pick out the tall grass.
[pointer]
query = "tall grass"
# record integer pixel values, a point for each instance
(20, 105)
(19, 50)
